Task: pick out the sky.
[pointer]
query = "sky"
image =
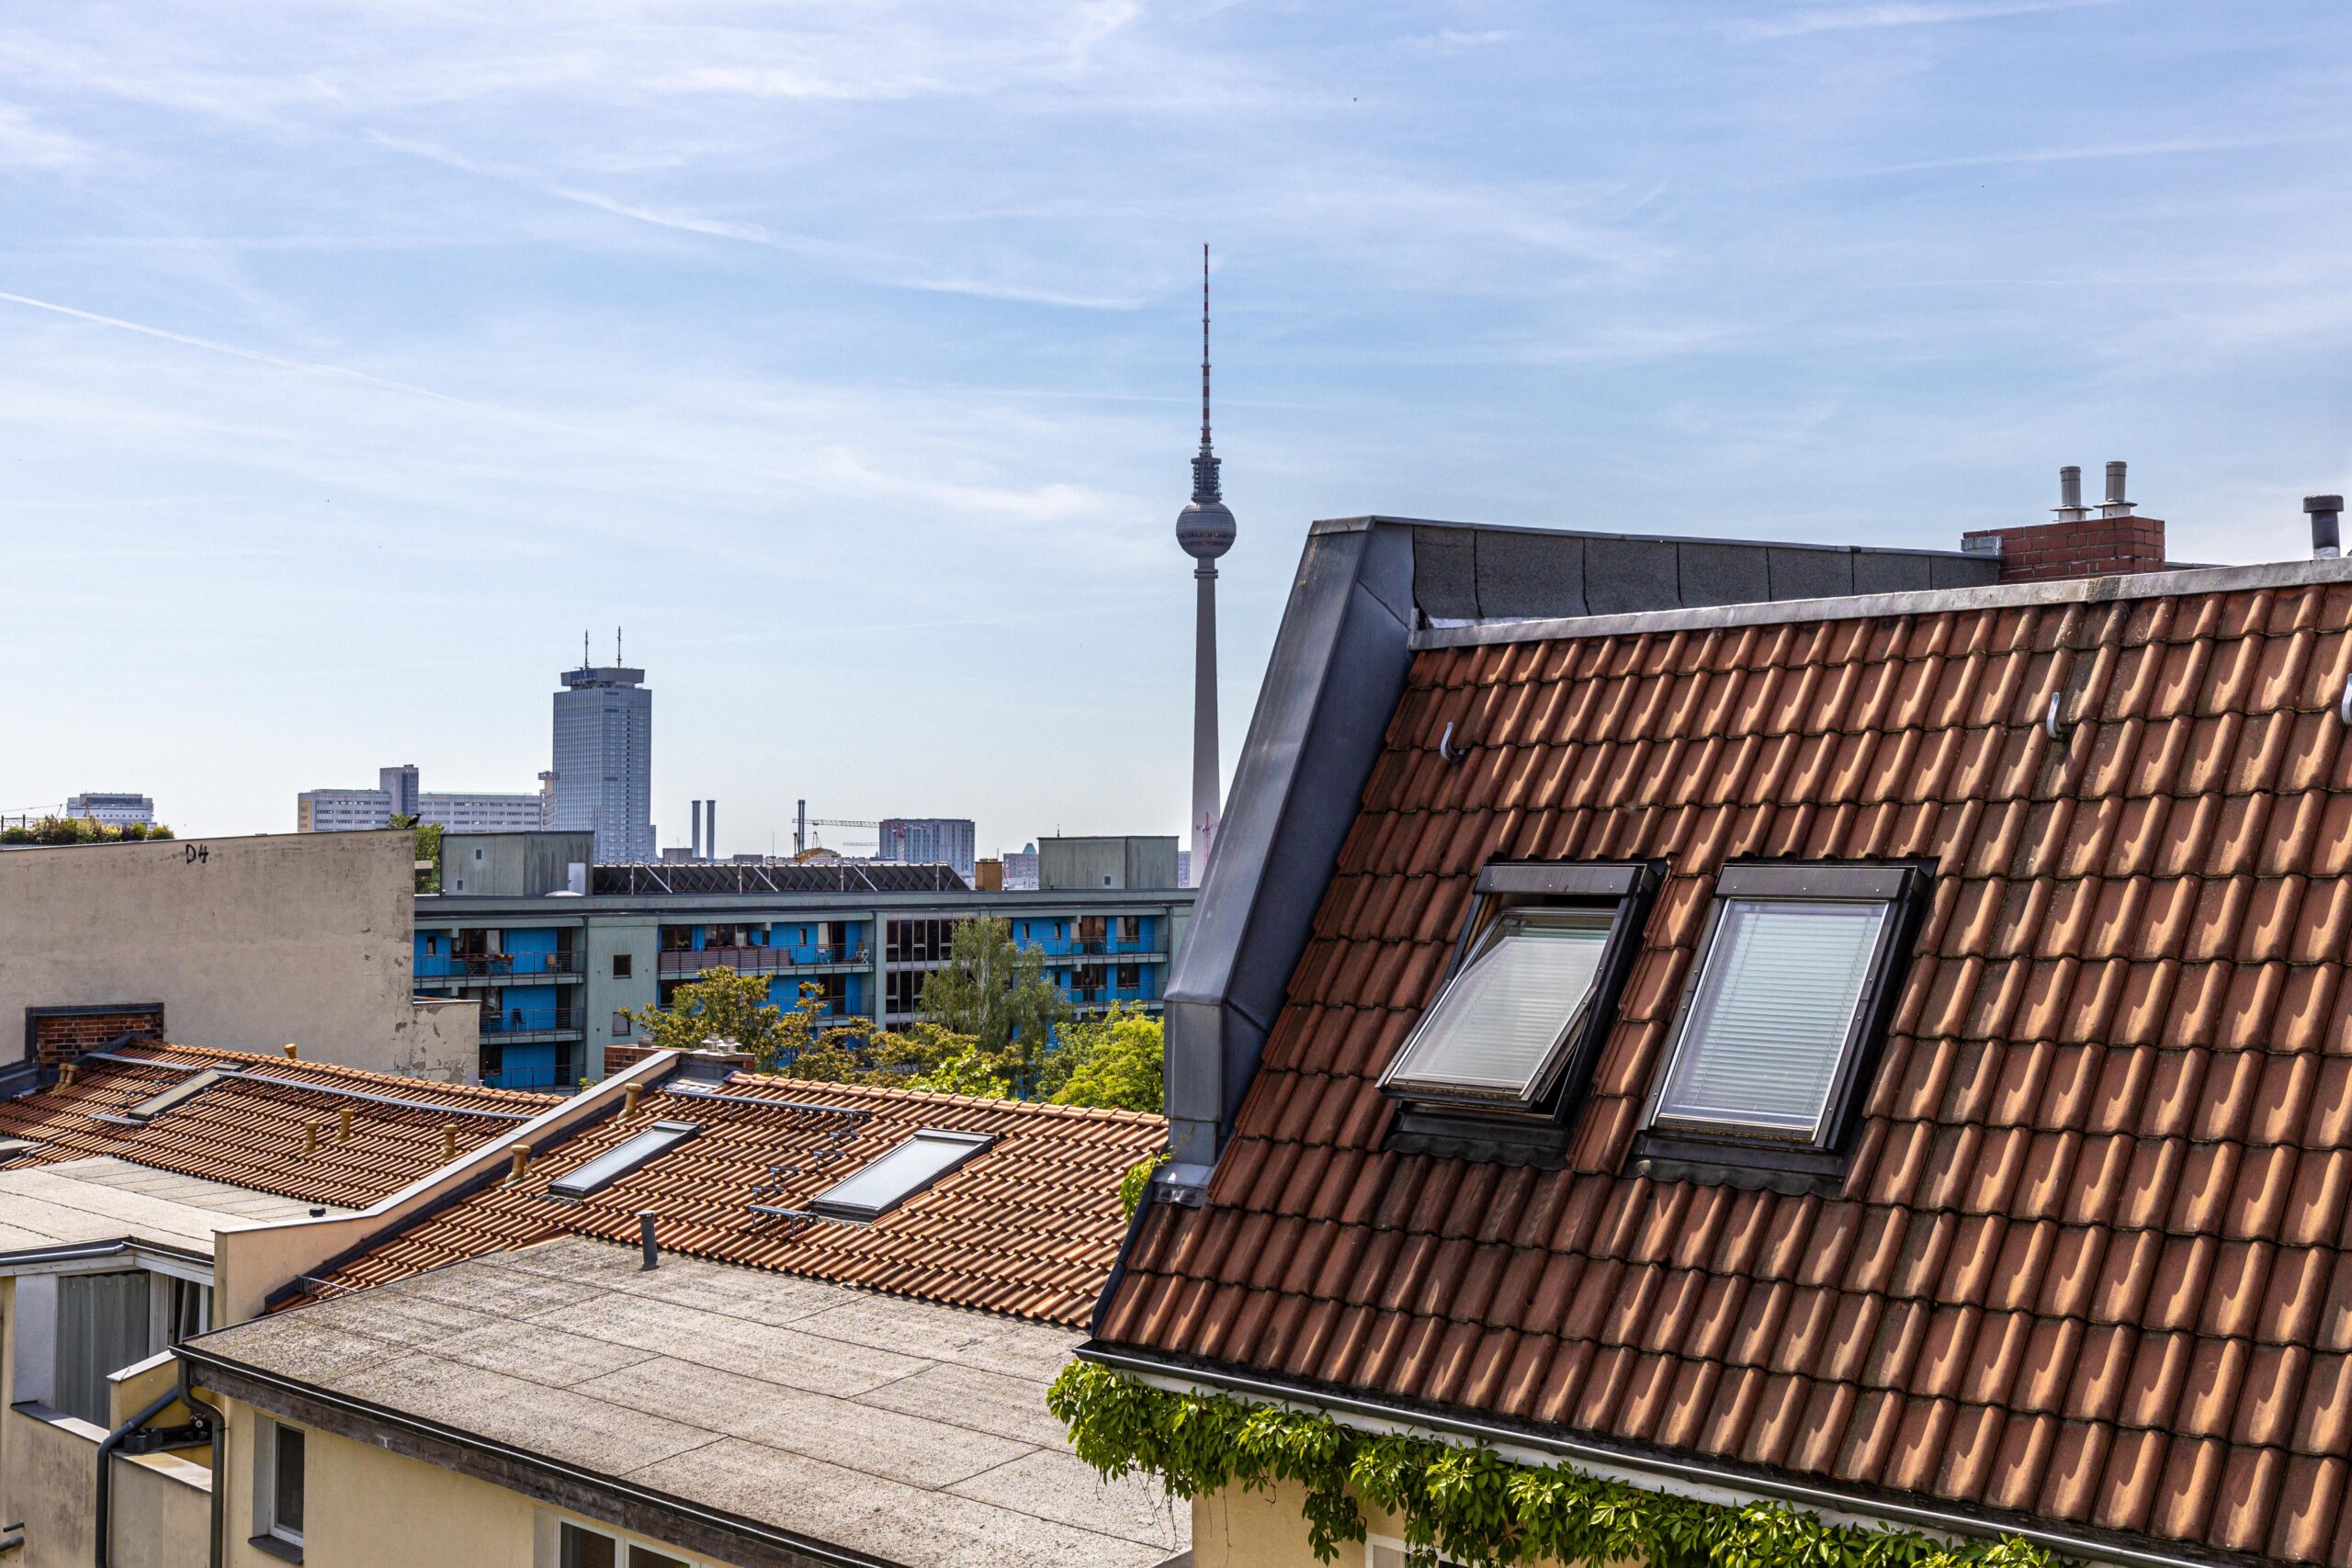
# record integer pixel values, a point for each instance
(354, 358)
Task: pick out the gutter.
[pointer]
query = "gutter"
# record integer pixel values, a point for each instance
(1688, 1477)
(102, 1530)
(796, 1546)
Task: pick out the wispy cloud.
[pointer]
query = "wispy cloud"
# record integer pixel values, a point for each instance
(2158, 147)
(1902, 14)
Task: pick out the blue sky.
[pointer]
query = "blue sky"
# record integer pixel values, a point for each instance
(354, 358)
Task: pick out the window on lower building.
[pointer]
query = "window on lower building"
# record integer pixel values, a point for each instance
(1783, 1011)
(579, 1546)
(1130, 977)
(103, 1325)
(277, 1508)
(621, 1026)
(623, 966)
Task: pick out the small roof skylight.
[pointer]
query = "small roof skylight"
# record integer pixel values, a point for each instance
(622, 1159)
(1498, 1029)
(884, 1183)
(180, 1093)
(1773, 1018)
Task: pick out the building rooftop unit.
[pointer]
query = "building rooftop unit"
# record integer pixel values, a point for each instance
(2039, 893)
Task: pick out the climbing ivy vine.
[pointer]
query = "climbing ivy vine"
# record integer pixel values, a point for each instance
(1468, 1504)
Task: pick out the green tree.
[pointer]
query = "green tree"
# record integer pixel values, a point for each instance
(720, 1007)
(428, 848)
(79, 830)
(1116, 1061)
(996, 992)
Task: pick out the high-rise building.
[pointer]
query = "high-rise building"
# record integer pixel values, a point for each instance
(928, 841)
(604, 761)
(113, 810)
(1204, 529)
(397, 795)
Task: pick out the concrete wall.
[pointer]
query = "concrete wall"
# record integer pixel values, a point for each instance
(247, 943)
(1138, 861)
(513, 865)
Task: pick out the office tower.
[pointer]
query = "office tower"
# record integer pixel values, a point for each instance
(604, 759)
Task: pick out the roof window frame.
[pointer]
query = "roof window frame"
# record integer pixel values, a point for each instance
(1678, 1148)
(655, 1141)
(1537, 1130)
(830, 1206)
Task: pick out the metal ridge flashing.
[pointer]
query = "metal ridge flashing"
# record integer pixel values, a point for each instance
(1655, 1470)
(1916, 601)
(1372, 519)
(565, 1485)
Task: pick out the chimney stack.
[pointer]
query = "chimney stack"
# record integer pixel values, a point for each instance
(2070, 508)
(711, 829)
(2323, 511)
(2114, 505)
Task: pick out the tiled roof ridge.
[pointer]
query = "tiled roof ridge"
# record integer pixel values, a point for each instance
(1914, 601)
(258, 1059)
(975, 1101)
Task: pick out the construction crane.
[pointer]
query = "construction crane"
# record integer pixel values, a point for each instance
(802, 822)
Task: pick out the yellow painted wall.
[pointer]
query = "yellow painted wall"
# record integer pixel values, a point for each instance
(367, 1508)
(1234, 1529)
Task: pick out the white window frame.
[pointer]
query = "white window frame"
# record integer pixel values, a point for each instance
(1891, 888)
(266, 1434)
(549, 1553)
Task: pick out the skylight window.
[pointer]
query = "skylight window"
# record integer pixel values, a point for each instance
(180, 1093)
(884, 1183)
(1496, 1029)
(621, 1159)
(1510, 1039)
(1783, 1007)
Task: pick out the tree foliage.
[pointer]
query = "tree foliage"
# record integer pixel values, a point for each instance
(1466, 1504)
(79, 830)
(428, 850)
(720, 1008)
(995, 992)
(1116, 1061)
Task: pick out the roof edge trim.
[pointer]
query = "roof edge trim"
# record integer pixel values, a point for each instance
(241, 1381)
(1617, 536)
(1914, 602)
(1688, 1477)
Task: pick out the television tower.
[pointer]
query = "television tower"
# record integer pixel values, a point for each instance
(1204, 529)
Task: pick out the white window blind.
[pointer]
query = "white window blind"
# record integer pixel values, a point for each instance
(1496, 1028)
(1773, 1013)
(101, 1328)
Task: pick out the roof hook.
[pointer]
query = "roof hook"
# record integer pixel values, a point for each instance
(2050, 722)
(2344, 708)
(1450, 752)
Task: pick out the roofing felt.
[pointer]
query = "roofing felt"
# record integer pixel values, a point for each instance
(914, 1433)
(1029, 1227)
(2089, 1259)
(105, 1200)
(247, 1130)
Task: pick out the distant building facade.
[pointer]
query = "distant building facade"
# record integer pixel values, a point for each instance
(113, 810)
(551, 971)
(928, 841)
(604, 761)
(397, 795)
(1135, 860)
(1020, 869)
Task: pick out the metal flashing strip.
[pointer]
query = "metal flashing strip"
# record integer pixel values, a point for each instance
(254, 1075)
(1914, 602)
(572, 1487)
(1371, 520)
(1697, 1478)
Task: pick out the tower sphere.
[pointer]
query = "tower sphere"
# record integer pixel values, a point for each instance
(1204, 529)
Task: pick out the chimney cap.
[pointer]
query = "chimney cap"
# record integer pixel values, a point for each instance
(2318, 503)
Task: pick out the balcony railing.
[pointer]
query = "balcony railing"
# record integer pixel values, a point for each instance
(758, 960)
(1073, 948)
(496, 966)
(530, 1020)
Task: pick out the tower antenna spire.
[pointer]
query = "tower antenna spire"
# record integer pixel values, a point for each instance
(616, 646)
(1204, 348)
(584, 648)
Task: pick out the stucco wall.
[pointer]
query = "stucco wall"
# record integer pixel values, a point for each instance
(247, 943)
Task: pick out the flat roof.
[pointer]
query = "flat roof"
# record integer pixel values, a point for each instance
(742, 1400)
(84, 1201)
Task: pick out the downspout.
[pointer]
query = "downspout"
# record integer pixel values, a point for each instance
(114, 1440)
(214, 1547)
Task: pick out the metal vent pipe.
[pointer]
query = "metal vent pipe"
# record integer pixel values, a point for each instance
(2324, 510)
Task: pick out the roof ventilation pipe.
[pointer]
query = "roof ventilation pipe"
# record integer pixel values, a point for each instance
(2323, 510)
(645, 1238)
(2070, 508)
(2114, 505)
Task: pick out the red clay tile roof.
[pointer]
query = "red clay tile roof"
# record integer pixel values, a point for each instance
(248, 1130)
(2089, 1258)
(1030, 1227)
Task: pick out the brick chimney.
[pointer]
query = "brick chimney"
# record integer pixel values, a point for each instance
(2084, 542)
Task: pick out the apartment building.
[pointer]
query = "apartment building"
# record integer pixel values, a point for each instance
(552, 967)
(397, 795)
